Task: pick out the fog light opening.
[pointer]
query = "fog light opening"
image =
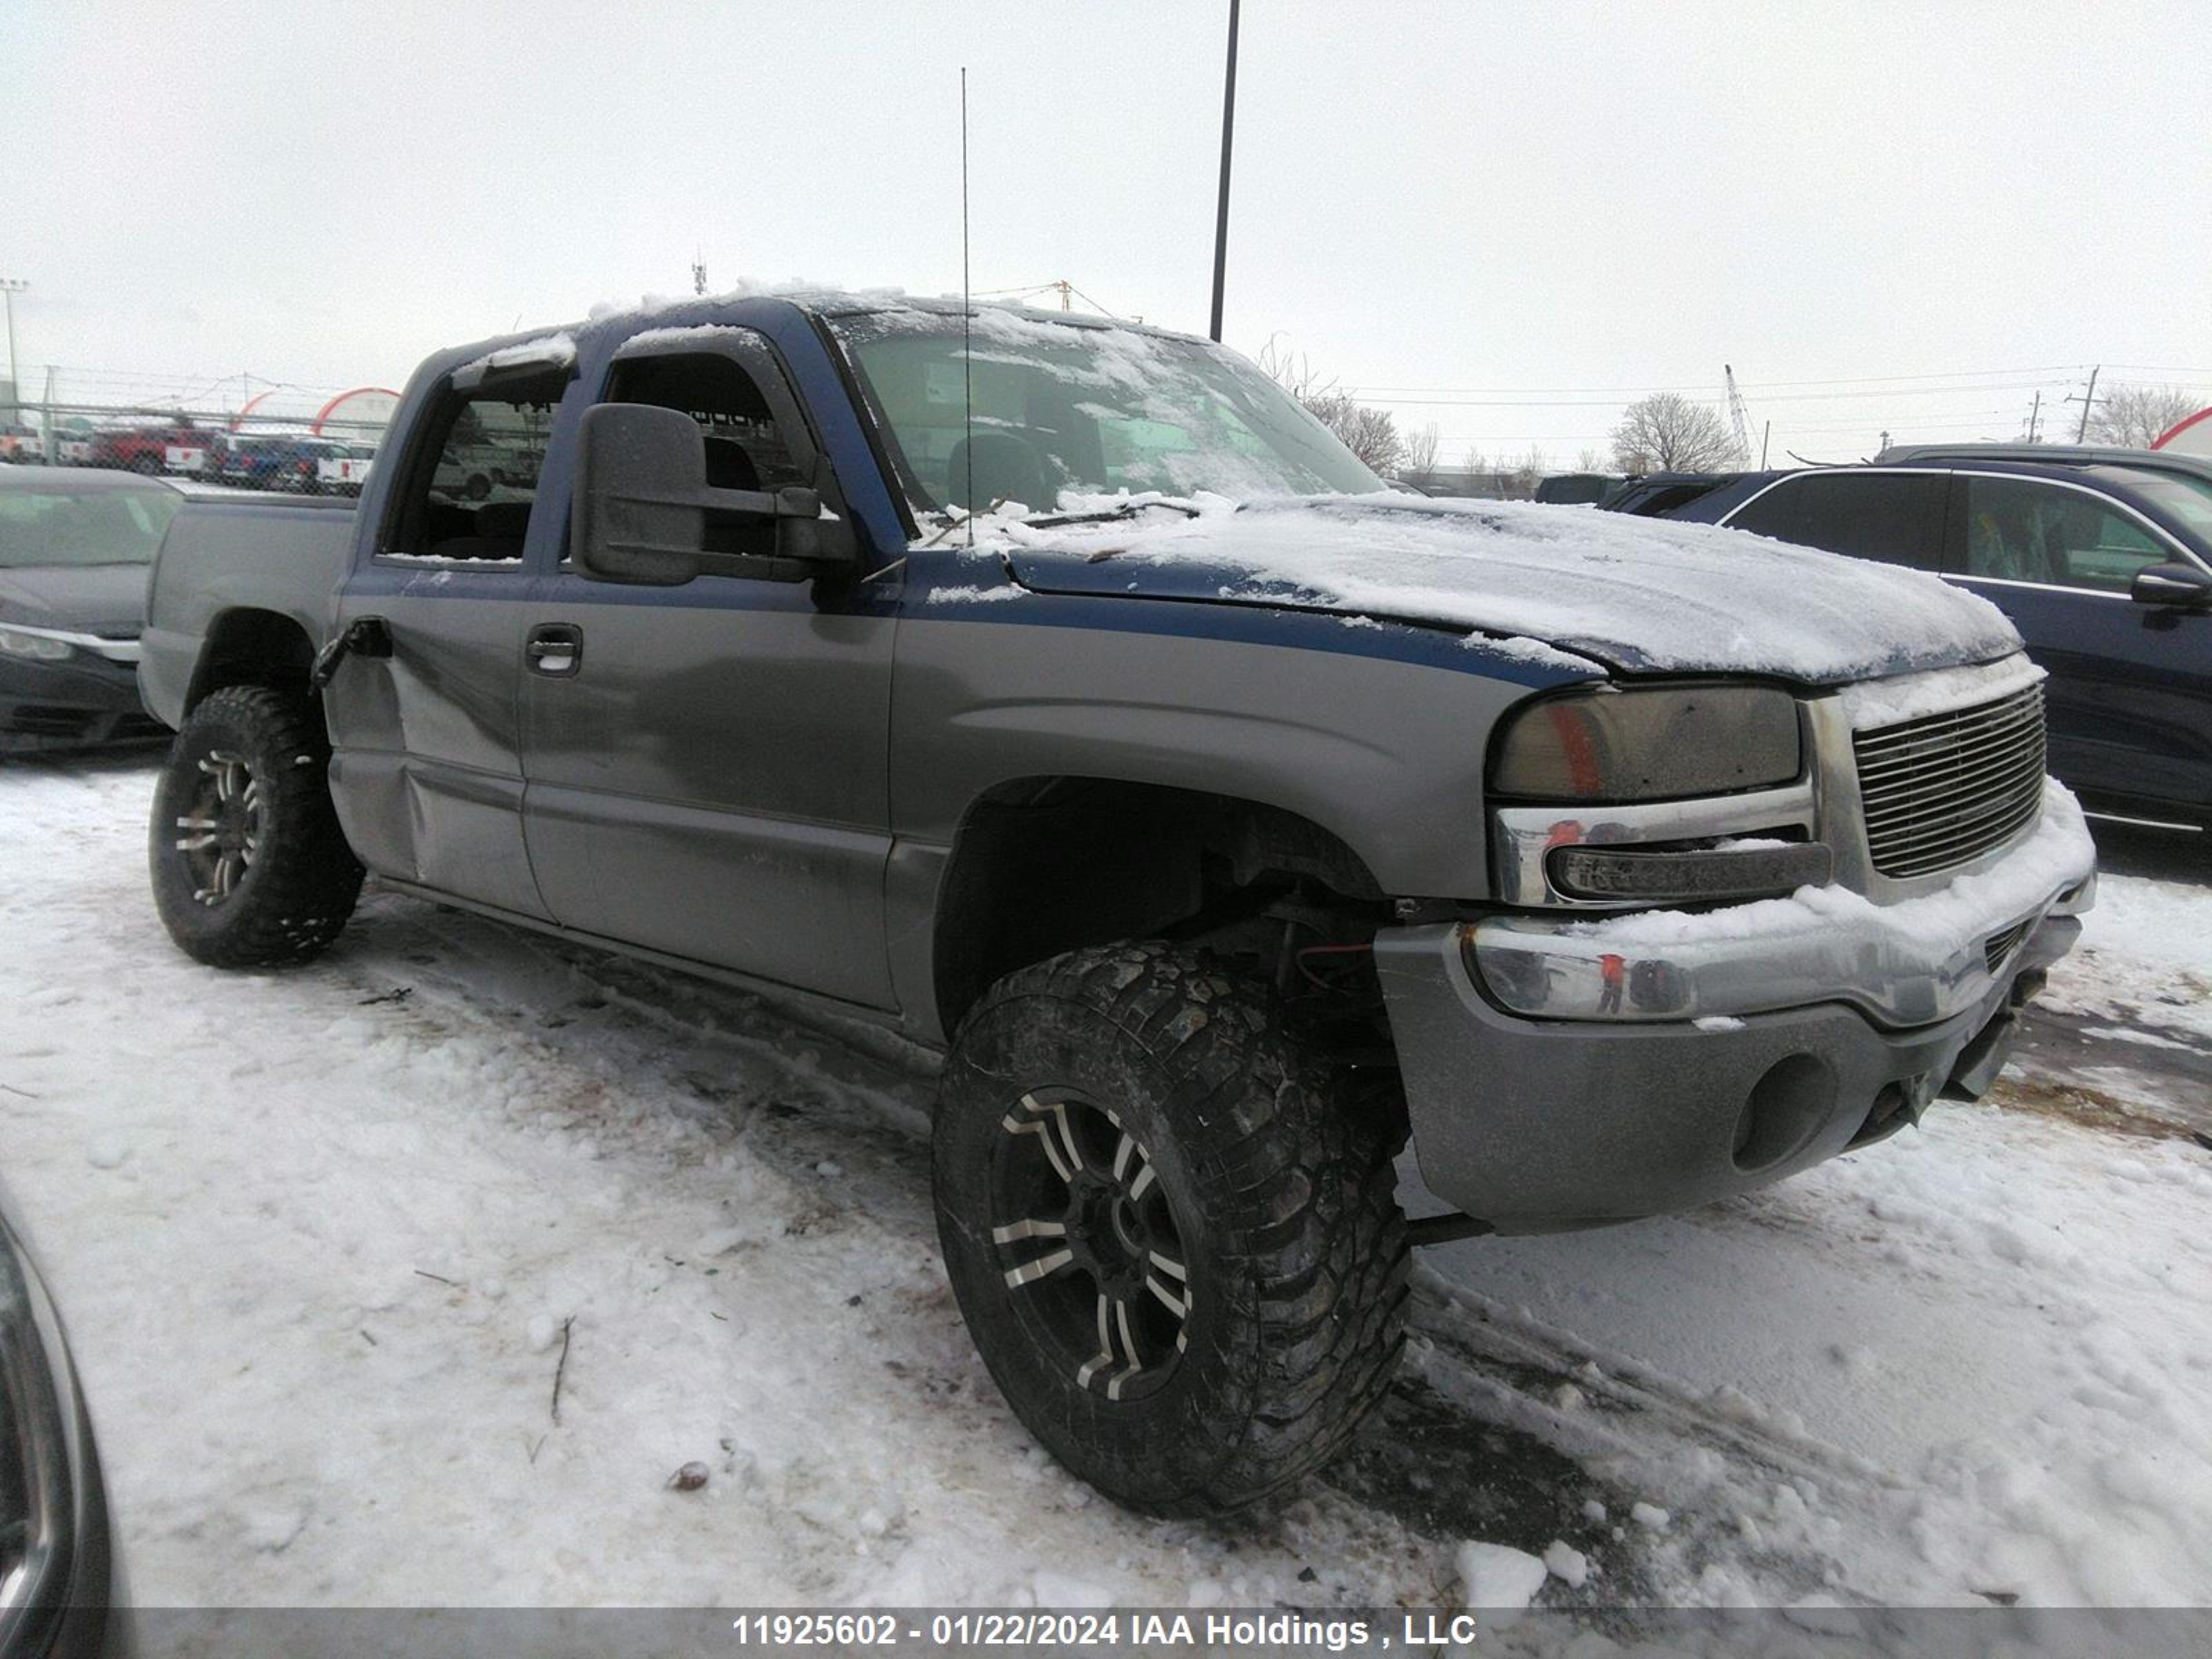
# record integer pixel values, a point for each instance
(1783, 1111)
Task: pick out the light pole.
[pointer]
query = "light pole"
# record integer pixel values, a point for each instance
(1221, 206)
(9, 287)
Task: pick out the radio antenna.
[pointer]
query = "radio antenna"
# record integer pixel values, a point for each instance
(967, 354)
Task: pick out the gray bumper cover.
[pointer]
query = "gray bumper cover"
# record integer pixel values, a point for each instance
(1537, 1125)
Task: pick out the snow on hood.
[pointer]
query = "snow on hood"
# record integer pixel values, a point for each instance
(1645, 595)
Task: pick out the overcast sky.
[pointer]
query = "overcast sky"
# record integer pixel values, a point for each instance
(1537, 210)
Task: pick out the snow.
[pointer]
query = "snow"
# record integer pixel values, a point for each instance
(1872, 704)
(1564, 1562)
(554, 350)
(1650, 594)
(972, 595)
(1970, 1359)
(2145, 955)
(1499, 1579)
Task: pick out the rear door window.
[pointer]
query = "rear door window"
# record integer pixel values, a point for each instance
(469, 498)
(1896, 518)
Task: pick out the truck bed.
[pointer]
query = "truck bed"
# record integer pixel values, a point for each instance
(285, 556)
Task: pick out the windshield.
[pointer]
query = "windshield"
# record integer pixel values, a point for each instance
(1060, 407)
(73, 528)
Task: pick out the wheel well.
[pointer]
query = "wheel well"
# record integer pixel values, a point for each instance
(253, 647)
(1045, 865)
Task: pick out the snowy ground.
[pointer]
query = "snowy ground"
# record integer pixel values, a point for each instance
(319, 1238)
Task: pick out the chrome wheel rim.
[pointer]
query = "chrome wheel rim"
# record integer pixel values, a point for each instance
(219, 834)
(1088, 1244)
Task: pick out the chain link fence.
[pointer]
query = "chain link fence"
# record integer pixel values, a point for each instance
(280, 437)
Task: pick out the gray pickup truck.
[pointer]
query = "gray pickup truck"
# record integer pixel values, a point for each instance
(1223, 816)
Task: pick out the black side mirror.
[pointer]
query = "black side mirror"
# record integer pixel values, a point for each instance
(642, 502)
(2176, 584)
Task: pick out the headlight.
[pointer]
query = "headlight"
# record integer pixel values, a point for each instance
(1659, 743)
(34, 643)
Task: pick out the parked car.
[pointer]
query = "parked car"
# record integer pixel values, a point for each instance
(2102, 558)
(74, 548)
(1578, 489)
(342, 468)
(22, 446)
(288, 461)
(58, 1577)
(73, 446)
(1217, 848)
(178, 449)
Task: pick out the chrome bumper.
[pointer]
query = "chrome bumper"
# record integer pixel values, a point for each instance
(1913, 962)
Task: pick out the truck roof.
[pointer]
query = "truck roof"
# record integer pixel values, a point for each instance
(735, 306)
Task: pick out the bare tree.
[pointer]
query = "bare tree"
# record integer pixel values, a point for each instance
(2137, 416)
(1668, 433)
(1418, 462)
(1371, 433)
(1589, 460)
(1295, 374)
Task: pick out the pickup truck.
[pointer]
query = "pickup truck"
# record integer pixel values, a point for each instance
(1059, 693)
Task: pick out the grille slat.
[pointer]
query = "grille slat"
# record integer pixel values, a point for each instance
(1952, 746)
(1992, 774)
(1941, 791)
(1949, 759)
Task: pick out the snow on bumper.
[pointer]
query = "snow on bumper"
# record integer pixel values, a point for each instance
(1905, 964)
(1720, 1052)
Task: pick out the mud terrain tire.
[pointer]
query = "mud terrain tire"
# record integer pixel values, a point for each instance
(250, 867)
(1280, 1199)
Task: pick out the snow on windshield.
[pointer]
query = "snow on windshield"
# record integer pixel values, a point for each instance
(1647, 593)
(1082, 407)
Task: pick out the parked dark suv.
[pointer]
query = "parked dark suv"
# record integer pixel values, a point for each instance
(2102, 558)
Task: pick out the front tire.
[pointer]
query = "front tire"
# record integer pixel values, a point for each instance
(1182, 1260)
(250, 867)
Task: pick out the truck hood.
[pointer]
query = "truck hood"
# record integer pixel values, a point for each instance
(106, 599)
(1640, 595)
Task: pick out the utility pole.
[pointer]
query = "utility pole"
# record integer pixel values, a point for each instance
(2088, 401)
(1221, 210)
(1764, 435)
(9, 287)
(699, 273)
(2034, 417)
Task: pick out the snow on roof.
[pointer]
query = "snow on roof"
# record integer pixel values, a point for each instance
(1648, 594)
(556, 349)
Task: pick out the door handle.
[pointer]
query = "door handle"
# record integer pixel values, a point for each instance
(554, 649)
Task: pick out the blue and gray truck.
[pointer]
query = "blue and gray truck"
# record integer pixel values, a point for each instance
(1059, 693)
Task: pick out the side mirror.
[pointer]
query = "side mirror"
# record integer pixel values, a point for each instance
(643, 502)
(2174, 584)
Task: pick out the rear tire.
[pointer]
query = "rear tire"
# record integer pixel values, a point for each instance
(1116, 1114)
(250, 867)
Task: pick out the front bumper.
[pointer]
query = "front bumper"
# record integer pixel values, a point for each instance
(1712, 1055)
(78, 703)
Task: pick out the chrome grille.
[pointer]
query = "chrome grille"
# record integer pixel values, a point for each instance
(1941, 791)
